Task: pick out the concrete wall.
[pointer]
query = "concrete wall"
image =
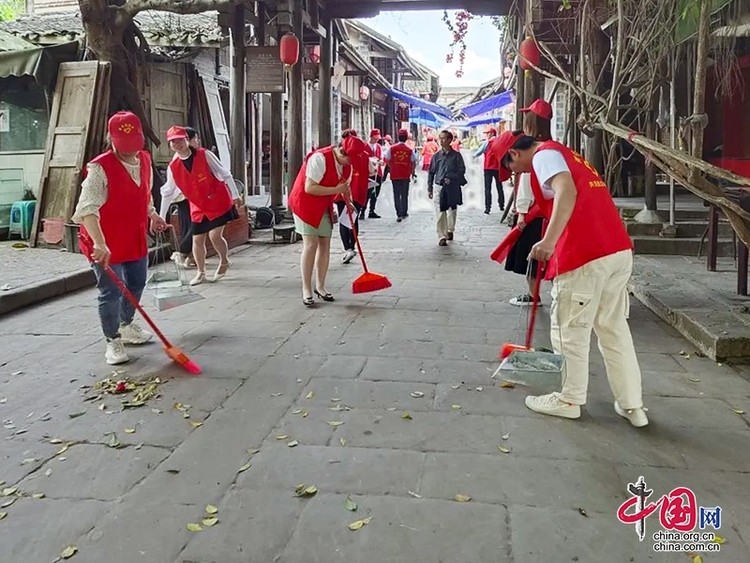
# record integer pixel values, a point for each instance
(31, 162)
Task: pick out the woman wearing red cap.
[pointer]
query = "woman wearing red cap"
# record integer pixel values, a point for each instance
(325, 174)
(114, 211)
(428, 151)
(491, 172)
(359, 185)
(210, 189)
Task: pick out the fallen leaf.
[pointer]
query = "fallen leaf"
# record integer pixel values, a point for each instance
(196, 424)
(462, 498)
(48, 472)
(62, 458)
(156, 411)
(413, 494)
(342, 441)
(391, 409)
(349, 504)
(297, 411)
(719, 539)
(244, 467)
(29, 460)
(55, 441)
(507, 385)
(114, 441)
(130, 431)
(310, 395)
(504, 449)
(186, 415)
(293, 443)
(102, 407)
(582, 512)
(480, 388)
(694, 379)
(455, 386)
(282, 437)
(7, 503)
(208, 522)
(456, 407)
(276, 394)
(359, 524)
(696, 558)
(192, 527)
(139, 446)
(253, 451)
(178, 406)
(173, 471)
(305, 414)
(303, 490)
(3, 400)
(406, 416)
(9, 491)
(69, 552)
(336, 399)
(417, 394)
(335, 422)
(76, 414)
(506, 436)
(211, 509)
(38, 496)
(3, 515)
(738, 411)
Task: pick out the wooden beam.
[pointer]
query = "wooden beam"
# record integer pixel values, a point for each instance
(237, 130)
(295, 117)
(325, 126)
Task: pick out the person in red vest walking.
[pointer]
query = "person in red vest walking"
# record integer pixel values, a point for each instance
(590, 256)
(359, 185)
(327, 173)
(491, 172)
(210, 189)
(114, 211)
(402, 161)
(377, 151)
(429, 150)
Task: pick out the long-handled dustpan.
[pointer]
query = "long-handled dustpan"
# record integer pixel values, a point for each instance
(174, 353)
(523, 365)
(369, 281)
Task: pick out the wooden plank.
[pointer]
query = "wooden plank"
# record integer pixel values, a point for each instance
(66, 141)
(221, 134)
(168, 104)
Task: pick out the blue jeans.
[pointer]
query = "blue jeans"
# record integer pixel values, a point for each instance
(114, 308)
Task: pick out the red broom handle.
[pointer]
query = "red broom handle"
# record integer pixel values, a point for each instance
(534, 306)
(134, 302)
(348, 204)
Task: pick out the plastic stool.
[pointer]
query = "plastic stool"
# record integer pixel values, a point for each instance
(21, 218)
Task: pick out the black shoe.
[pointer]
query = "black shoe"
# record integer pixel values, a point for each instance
(486, 211)
(450, 236)
(442, 242)
(399, 220)
(308, 301)
(373, 215)
(327, 297)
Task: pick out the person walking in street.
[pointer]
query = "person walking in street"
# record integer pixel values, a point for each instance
(359, 188)
(589, 254)
(537, 123)
(429, 150)
(402, 162)
(209, 188)
(184, 256)
(491, 172)
(448, 173)
(327, 173)
(114, 210)
(377, 151)
(386, 143)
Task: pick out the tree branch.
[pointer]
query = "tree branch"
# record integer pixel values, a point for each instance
(132, 7)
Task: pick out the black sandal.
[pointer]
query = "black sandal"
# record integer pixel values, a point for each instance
(327, 297)
(308, 301)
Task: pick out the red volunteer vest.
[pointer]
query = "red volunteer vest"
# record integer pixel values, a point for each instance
(491, 162)
(208, 196)
(429, 150)
(378, 153)
(400, 162)
(124, 216)
(311, 208)
(595, 229)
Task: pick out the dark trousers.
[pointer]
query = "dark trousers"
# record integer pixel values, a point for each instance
(489, 176)
(375, 193)
(186, 227)
(386, 172)
(347, 237)
(401, 197)
(114, 308)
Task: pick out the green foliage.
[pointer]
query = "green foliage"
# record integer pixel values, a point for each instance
(11, 9)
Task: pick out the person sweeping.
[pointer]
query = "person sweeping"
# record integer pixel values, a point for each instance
(114, 211)
(212, 194)
(589, 254)
(359, 186)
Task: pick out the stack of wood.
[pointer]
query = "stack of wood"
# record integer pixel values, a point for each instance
(77, 133)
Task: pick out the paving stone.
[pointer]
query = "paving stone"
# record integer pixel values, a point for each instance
(368, 394)
(492, 399)
(428, 371)
(22, 456)
(401, 530)
(388, 348)
(343, 367)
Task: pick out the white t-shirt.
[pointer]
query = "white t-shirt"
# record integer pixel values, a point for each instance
(316, 167)
(547, 164)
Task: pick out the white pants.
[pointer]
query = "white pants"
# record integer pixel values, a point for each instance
(596, 296)
(446, 220)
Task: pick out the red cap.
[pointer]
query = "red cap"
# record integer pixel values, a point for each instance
(375, 133)
(540, 108)
(404, 132)
(491, 131)
(359, 154)
(500, 147)
(176, 132)
(430, 137)
(126, 132)
(388, 138)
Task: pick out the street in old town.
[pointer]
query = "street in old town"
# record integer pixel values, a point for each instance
(364, 430)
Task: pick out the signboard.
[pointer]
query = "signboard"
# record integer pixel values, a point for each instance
(264, 70)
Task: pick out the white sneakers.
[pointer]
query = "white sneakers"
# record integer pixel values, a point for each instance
(348, 256)
(129, 334)
(552, 405)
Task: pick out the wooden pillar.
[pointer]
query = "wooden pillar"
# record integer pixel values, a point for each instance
(277, 151)
(296, 100)
(237, 131)
(649, 181)
(261, 36)
(325, 114)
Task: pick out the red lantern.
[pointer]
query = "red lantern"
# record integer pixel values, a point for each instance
(530, 54)
(364, 92)
(289, 49)
(315, 54)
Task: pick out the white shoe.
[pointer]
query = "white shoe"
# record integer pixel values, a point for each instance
(348, 257)
(553, 406)
(116, 354)
(219, 274)
(636, 417)
(199, 278)
(523, 300)
(177, 258)
(134, 334)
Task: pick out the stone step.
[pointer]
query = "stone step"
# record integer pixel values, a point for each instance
(680, 246)
(697, 214)
(685, 229)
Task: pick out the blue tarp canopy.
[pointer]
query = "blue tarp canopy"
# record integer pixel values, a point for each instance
(426, 118)
(484, 120)
(492, 103)
(437, 109)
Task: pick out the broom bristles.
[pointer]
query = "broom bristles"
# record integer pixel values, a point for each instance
(369, 282)
(179, 357)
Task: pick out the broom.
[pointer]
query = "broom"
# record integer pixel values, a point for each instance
(369, 281)
(174, 353)
(503, 249)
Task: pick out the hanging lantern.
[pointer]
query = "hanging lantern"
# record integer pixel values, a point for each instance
(314, 54)
(530, 54)
(364, 92)
(289, 49)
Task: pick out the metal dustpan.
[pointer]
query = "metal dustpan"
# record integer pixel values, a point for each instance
(539, 369)
(170, 286)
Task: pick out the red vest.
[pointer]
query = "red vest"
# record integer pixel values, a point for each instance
(208, 196)
(311, 208)
(491, 162)
(124, 216)
(595, 228)
(429, 150)
(400, 162)
(378, 153)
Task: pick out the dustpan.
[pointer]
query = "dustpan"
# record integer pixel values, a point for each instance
(168, 283)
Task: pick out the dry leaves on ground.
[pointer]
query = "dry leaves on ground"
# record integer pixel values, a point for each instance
(303, 490)
(359, 524)
(349, 504)
(462, 498)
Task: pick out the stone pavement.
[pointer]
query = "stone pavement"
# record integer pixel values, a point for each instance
(338, 381)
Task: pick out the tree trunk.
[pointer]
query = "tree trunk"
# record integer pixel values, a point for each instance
(699, 92)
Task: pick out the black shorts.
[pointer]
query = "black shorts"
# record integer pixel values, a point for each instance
(517, 260)
(210, 224)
